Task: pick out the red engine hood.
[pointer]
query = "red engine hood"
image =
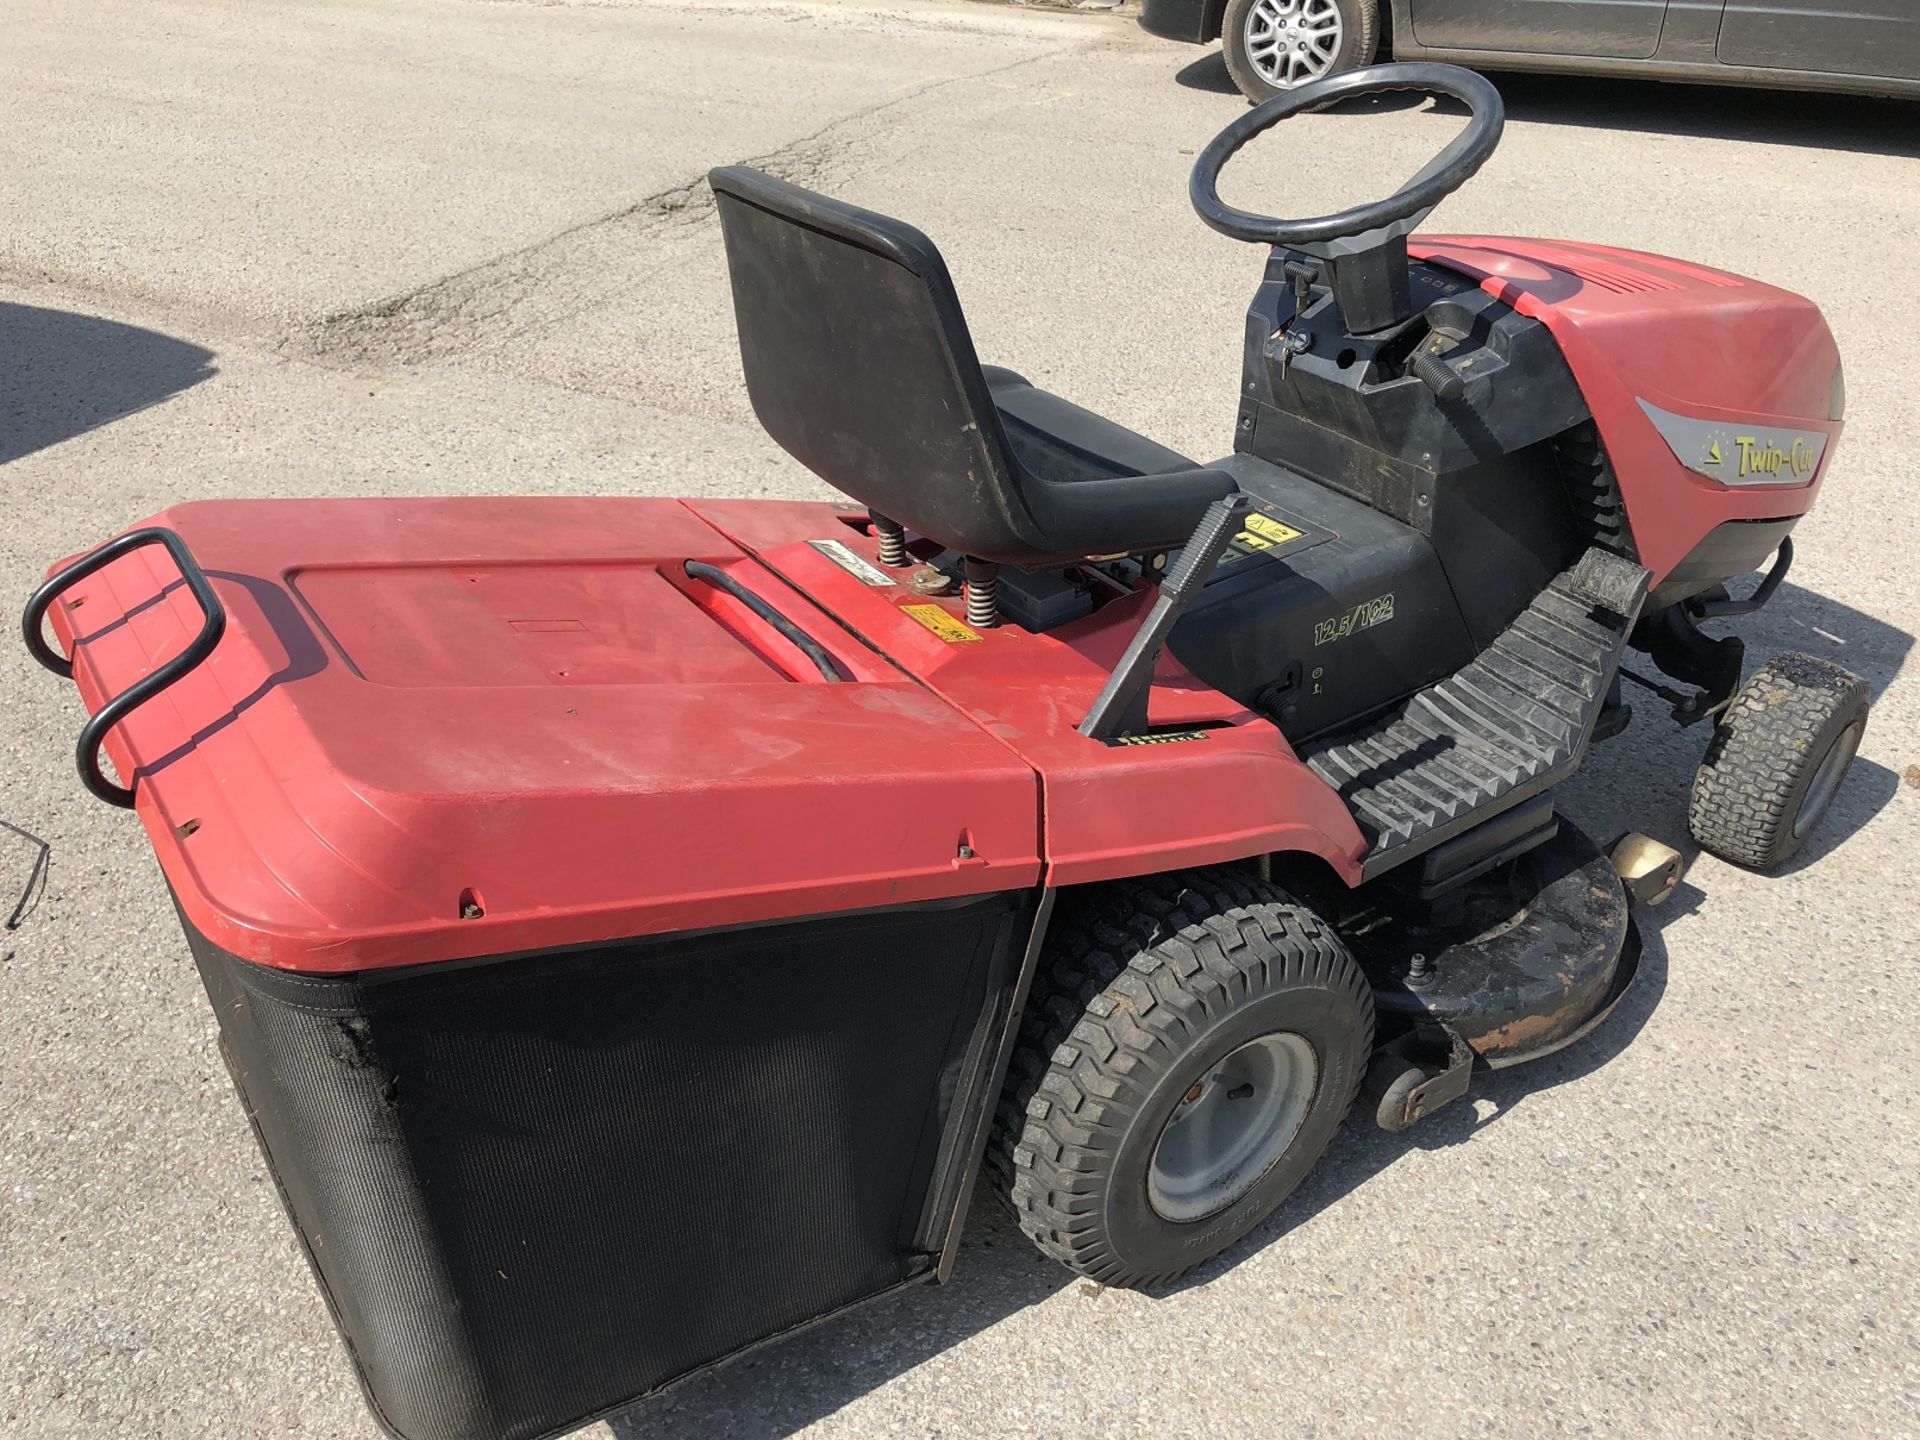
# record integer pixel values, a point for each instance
(1693, 341)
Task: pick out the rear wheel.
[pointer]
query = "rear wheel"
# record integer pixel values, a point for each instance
(1191, 1047)
(1273, 46)
(1777, 759)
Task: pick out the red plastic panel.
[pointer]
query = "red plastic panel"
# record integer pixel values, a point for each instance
(1694, 341)
(1235, 790)
(444, 728)
(466, 626)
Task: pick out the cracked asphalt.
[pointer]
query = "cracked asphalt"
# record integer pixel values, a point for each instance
(436, 246)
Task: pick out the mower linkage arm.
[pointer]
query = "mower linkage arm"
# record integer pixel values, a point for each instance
(1672, 636)
(1719, 607)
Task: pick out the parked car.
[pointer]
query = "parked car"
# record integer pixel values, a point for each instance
(1868, 46)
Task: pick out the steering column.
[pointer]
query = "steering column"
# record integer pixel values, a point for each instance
(1363, 250)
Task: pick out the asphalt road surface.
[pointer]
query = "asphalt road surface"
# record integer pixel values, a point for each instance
(436, 246)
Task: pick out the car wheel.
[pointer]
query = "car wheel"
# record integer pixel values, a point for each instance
(1273, 46)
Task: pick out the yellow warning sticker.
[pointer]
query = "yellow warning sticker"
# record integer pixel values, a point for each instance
(942, 624)
(1260, 533)
(1270, 530)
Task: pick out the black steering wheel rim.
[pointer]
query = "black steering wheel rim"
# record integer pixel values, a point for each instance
(1440, 177)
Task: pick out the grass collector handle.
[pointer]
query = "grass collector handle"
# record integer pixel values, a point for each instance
(87, 752)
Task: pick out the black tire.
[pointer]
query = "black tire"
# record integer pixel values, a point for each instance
(1146, 987)
(1359, 37)
(1755, 799)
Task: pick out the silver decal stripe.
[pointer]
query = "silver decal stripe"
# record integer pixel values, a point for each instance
(861, 570)
(1739, 453)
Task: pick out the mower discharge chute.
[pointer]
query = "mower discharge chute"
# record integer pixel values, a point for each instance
(632, 921)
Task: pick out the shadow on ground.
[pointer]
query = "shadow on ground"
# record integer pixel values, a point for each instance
(1767, 116)
(1209, 73)
(62, 374)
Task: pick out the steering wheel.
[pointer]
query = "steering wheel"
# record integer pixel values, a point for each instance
(1400, 211)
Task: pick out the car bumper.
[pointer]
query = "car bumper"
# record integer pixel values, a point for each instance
(1178, 19)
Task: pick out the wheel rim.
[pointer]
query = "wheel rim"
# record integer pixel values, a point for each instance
(1826, 782)
(1232, 1125)
(1290, 42)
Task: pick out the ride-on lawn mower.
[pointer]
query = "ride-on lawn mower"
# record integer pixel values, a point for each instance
(632, 921)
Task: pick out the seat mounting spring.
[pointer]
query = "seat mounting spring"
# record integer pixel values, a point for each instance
(892, 536)
(983, 594)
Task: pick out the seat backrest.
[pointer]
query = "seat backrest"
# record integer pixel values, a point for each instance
(858, 362)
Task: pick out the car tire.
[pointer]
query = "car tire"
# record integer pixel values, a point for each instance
(1250, 30)
(1777, 759)
(1192, 1043)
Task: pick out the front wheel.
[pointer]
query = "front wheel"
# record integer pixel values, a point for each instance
(1777, 759)
(1273, 46)
(1191, 1046)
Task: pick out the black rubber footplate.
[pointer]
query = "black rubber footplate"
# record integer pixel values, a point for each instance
(1496, 732)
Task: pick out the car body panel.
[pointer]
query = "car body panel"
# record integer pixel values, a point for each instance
(1627, 29)
(1195, 21)
(1861, 37)
(1859, 46)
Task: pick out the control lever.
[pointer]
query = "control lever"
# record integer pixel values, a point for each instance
(1304, 277)
(1121, 706)
(1437, 375)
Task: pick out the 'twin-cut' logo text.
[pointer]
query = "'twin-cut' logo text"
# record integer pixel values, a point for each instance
(1763, 457)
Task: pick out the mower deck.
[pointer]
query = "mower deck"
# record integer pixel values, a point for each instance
(1518, 964)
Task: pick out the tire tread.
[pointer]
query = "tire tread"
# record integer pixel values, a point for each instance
(1134, 971)
(1746, 793)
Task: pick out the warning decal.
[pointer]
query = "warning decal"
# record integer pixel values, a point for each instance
(941, 623)
(1270, 529)
(1260, 534)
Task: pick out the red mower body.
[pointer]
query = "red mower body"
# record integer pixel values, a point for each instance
(441, 728)
(437, 728)
(620, 914)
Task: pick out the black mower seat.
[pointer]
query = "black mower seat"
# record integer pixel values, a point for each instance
(1057, 440)
(859, 363)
